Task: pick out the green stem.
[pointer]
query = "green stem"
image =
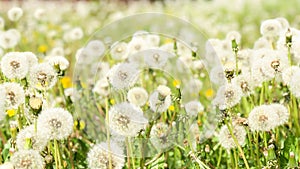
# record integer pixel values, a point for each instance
(57, 154)
(220, 157)
(108, 133)
(257, 150)
(237, 144)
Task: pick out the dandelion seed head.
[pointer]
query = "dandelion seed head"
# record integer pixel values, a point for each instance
(288, 73)
(9, 39)
(98, 156)
(228, 96)
(42, 76)
(226, 139)
(281, 111)
(14, 95)
(158, 103)
(137, 96)
(38, 141)
(15, 13)
(122, 76)
(58, 61)
(295, 84)
(193, 108)
(270, 28)
(126, 119)
(119, 51)
(262, 118)
(56, 122)
(26, 159)
(160, 136)
(14, 65)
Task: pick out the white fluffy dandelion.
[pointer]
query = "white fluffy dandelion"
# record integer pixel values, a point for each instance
(160, 100)
(281, 111)
(14, 95)
(31, 58)
(226, 139)
(217, 75)
(57, 122)
(9, 39)
(270, 28)
(262, 118)
(119, 51)
(160, 136)
(228, 96)
(100, 155)
(126, 119)
(137, 96)
(123, 76)
(14, 65)
(42, 76)
(288, 73)
(156, 58)
(25, 159)
(193, 108)
(38, 140)
(58, 62)
(102, 87)
(245, 82)
(15, 13)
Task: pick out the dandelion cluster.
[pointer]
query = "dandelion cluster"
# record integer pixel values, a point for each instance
(155, 95)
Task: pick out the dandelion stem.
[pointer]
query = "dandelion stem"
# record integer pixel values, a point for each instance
(57, 154)
(108, 133)
(220, 157)
(237, 144)
(257, 150)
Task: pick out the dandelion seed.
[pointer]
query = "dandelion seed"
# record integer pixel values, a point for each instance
(7, 165)
(137, 96)
(38, 141)
(14, 65)
(226, 139)
(262, 118)
(14, 95)
(27, 159)
(42, 76)
(100, 155)
(126, 119)
(56, 122)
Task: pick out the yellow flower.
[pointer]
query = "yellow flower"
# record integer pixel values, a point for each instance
(209, 93)
(171, 108)
(42, 48)
(176, 83)
(112, 101)
(79, 124)
(11, 112)
(169, 40)
(66, 82)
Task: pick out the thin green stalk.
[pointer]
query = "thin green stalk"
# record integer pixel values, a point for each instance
(108, 133)
(235, 158)
(220, 157)
(129, 146)
(237, 144)
(257, 150)
(57, 154)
